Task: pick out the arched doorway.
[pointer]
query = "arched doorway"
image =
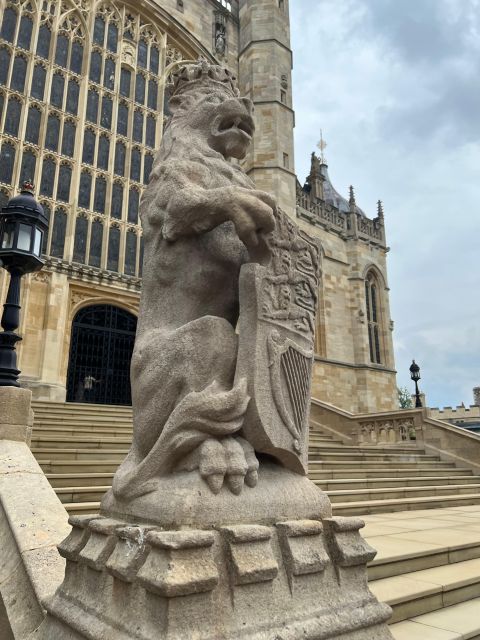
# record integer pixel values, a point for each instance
(100, 352)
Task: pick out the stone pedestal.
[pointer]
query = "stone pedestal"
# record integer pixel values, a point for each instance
(270, 564)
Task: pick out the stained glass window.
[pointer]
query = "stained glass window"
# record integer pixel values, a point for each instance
(85, 190)
(96, 240)
(38, 82)
(53, 132)
(112, 37)
(29, 162)
(7, 162)
(69, 114)
(130, 253)
(135, 164)
(95, 67)
(64, 182)
(147, 167)
(117, 201)
(373, 319)
(106, 115)
(12, 119)
(58, 87)
(89, 140)
(25, 33)
(76, 59)
(103, 152)
(125, 82)
(109, 74)
(80, 242)
(33, 125)
(61, 51)
(92, 106)
(100, 194)
(48, 177)
(68, 139)
(113, 249)
(142, 54)
(151, 131)
(122, 120)
(43, 42)
(99, 31)
(47, 212)
(120, 154)
(72, 97)
(138, 126)
(152, 94)
(58, 233)
(4, 64)
(9, 24)
(17, 82)
(133, 202)
(140, 88)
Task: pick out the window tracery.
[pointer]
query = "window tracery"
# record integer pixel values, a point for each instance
(79, 94)
(373, 317)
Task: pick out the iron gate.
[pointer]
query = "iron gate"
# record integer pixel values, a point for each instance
(100, 352)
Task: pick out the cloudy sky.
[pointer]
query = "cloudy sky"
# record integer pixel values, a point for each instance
(395, 86)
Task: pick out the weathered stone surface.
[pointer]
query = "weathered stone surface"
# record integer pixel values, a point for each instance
(15, 413)
(32, 523)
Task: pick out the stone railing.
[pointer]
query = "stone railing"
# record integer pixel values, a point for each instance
(409, 426)
(369, 228)
(321, 213)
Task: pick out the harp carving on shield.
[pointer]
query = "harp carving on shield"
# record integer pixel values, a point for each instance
(276, 345)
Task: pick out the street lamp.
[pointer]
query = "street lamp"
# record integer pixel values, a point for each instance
(415, 376)
(22, 226)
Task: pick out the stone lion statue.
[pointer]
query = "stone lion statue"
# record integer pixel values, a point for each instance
(202, 219)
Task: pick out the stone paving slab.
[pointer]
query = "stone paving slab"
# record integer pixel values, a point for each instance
(458, 622)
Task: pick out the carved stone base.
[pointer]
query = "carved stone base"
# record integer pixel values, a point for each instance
(294, 580)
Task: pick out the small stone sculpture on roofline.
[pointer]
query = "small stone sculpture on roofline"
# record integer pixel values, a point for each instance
(212, 530)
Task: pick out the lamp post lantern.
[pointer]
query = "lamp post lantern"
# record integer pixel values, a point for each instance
(415, 376)
(22, 227)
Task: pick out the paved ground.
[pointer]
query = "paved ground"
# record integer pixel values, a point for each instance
(406, 537)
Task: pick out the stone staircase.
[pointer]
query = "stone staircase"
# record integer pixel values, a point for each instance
(422, 514)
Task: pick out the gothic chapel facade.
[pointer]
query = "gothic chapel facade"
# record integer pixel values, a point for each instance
(82, 109)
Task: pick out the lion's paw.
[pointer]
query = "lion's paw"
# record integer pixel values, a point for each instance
(231, 461)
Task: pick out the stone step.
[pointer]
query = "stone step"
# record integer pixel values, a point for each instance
(338, 446)
(379, 464)
(80, 421)
(92, 431)
(83, 507)
(58, 480)
(403, 504)
(384, 483)
(456, 622)
(318, 475)
(79, 407)
(77, 466)
(380, 456)
(116, 455)
(416, 540)
(355, 495)
(69, 495)
(428, 590)
(81, 442)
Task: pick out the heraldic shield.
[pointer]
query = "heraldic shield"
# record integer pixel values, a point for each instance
(278, 303)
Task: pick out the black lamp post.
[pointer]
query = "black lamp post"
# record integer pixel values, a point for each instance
(415, 376)
(22, 226)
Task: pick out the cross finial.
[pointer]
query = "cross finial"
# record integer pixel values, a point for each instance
(322, 145)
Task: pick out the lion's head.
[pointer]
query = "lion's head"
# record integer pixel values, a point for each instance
(204, 100)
